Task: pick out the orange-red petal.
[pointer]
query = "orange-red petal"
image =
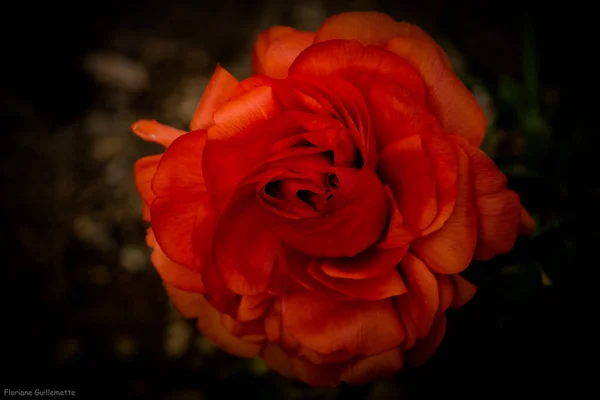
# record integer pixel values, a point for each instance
(359, 65)
(181, 198)
(283, 51)
(172, 273)
(220, 88)
(244, 248)
(373, 368)
(421, 301)
(366, 27)
(425, 348)
(450, 249)
(244, 112)
(453, 104)
(263, 41)
(328, 326)
(406, 169)
(396, 113)
(153, 131)
(370, 263)
(144, 170)
(379, 287)
(463, 291)
(193, 305)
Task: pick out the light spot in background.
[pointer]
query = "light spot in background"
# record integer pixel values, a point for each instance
(116, 70)
(92, 232)
(309, 15)
(105, 148)
(205, 346)
(133, 258)
(66, 349)
(177, 339)
(125, 346)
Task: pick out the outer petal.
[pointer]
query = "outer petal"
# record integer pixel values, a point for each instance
(245, 112)
(245, 250)
(153, 131)
(397, 114)
(220, 88)
(369, 369)
(359, 65)
(500, 214)
(328, 326)
(144, 170)
(366, 27)
(422, 300)
(405, 167)
(173, 273)
(263, 41)
(426, 347)
(193, 305)
(181, 198)
(450, 100)
(450, 249)
(463, 291)
(283, 51)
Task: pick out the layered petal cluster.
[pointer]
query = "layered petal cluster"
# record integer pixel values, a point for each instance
(319, 213)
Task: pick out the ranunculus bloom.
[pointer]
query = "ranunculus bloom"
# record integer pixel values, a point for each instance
(319, 213)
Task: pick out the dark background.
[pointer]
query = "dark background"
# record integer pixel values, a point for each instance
(85, 310)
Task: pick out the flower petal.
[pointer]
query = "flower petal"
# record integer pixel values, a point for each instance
(220, 88)
(499, 219)
(450, 249)
(181, 198)
(144, 170)
(153, 131)
(226, 162)
(499, 210)
(367, 27)
(370, 263)
(244, 248)
(351, 228)
(172, 273)
(373, 368)
(263, 41)
(379, 287)
(278, 360)
(446, 292)
(421, 301)
(328, 326)
(253, 307)
(244, 112)
(283, 51)
(209, 323)
(404, 166)
(180, 169)
(463, 291)
(396, 113)
(425, 348)
(317, 376)
(173, 222)
(453, 104)
(359, 65)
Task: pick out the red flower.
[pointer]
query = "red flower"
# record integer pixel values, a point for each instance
(319, 212)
